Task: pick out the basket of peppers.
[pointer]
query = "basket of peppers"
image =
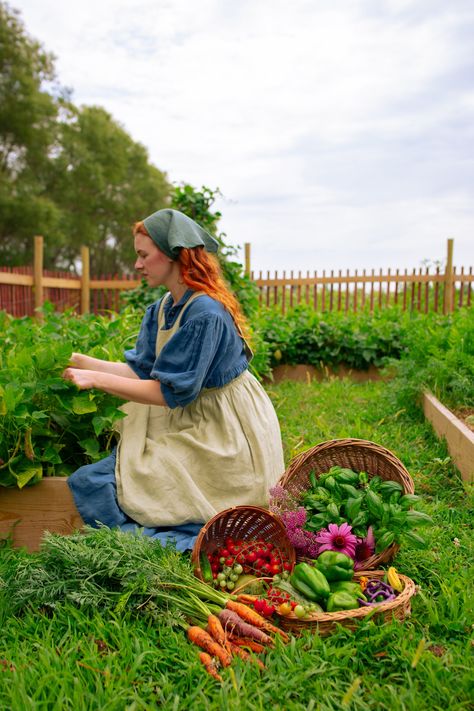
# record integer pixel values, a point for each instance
(328, 592)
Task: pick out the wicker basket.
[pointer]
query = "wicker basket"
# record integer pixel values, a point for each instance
(325, 623)
(243, 522)
(357, 454)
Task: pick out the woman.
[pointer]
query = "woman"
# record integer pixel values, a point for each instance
(200, 433)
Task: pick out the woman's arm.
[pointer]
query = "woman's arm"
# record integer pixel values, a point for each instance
(85, 362)
(146, 392)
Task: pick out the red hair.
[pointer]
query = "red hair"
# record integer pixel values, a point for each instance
(201, 271)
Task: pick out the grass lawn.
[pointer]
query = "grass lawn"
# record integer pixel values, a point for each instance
(96, 659)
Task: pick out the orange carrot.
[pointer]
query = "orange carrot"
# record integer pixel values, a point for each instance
(245, 598)
(216, 630)
(249, 615)
(210, 665)
(243, 654)
(249, 644)
(202, 639)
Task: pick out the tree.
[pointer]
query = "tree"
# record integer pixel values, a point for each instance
(71, 174)
(103, 182)
(28, 114)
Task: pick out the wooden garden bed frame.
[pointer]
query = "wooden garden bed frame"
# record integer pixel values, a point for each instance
(458, 436)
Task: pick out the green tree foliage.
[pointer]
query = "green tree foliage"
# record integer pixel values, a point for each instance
(71, 174)
(103, 182)
(28, 115)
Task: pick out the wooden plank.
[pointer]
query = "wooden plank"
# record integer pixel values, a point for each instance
(16, 279)
(346, 279)
(27, 513)
(458, 436)
(128, 283)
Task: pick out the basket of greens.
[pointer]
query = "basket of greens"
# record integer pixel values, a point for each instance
(352, 496)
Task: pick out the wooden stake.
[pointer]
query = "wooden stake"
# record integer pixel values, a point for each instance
(448, 278)
(38, 275)
(85, 281)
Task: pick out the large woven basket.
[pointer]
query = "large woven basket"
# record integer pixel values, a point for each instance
(247, 523)
(357, 454)
(325, 623)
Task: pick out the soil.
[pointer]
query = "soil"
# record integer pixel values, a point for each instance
(466, 415)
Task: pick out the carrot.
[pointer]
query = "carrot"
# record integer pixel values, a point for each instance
(245, 598)
(243, 654)
(202, 639)
(216, 630)
(249, 644)
(237, 626)
(253, 618)
(210, 665)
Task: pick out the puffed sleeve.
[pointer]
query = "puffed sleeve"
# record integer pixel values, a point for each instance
(141, 359)
(185, 361)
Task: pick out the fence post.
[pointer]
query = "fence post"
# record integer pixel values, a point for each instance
(85, 281)
(448, 278)
(38, 275)
(247, 258)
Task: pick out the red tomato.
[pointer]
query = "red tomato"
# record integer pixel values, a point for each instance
(275, 569)
(287, 566)
(229, 562)
(251, 557)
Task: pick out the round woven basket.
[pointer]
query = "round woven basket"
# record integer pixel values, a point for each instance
(325, 623)
(357, 454)
(245, 523)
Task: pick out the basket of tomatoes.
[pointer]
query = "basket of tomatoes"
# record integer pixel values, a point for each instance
(242, 547)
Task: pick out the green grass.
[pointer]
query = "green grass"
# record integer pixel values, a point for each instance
(75, 659)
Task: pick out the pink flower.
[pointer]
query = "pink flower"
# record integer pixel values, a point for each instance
(337, 538)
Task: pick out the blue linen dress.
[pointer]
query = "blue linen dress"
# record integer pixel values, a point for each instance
(203, 353)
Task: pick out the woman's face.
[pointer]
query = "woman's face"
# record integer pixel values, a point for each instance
(152, 263)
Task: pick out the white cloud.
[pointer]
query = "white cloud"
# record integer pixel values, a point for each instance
(338, 132)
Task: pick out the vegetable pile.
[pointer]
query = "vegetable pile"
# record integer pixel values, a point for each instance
(238, 563)
(328, 585)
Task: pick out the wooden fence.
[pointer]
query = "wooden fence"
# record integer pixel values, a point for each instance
(420, 290)
(23, 290)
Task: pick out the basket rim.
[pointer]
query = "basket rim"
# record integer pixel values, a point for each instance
(339, 443)
(197, 548)
(408, 591)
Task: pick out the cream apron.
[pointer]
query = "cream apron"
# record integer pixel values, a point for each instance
(184, 464)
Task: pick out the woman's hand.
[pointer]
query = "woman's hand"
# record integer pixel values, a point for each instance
(83, 379)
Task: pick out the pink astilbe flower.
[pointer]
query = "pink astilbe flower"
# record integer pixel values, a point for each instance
(365, 547)
(337, 538)
(304, 541)
(281, 500)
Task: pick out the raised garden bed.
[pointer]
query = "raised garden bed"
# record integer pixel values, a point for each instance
(27, 513)
(459, 437)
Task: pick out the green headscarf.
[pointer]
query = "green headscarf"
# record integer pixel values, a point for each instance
(170, 230)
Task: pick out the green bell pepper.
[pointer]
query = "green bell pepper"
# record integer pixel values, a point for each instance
(335, 566)
(347, 586)
(311, 583)
(341, 600)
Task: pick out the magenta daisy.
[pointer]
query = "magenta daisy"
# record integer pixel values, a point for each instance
(337, 538)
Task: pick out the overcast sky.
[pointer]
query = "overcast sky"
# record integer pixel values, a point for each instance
(340, 132)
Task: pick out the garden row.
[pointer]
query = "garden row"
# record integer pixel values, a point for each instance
(49, 428)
